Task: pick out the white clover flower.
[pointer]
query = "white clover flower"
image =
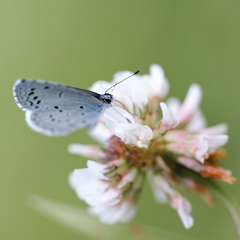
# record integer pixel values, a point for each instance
(144, 134)
(108, 188)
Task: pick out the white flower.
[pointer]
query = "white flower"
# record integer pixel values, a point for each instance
(170, 150)
(110, 202)
(92, 186)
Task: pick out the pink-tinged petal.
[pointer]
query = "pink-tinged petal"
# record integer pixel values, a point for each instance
(168, 121)
(87, 151)
(202, 149)
(190, 104)
(164, 193)
(162, 165)
(217, 129)
(197, 123)
(174, 104)
(161, 188)
(216, 141)
(177, 136)
(179, 148)
(184, 209)
(207, 170)
(199, 150)
(217, 172)
(128, 178)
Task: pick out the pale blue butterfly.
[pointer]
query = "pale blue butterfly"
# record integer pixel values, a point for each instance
(55, 109)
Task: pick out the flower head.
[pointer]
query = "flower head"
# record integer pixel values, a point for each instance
(145, 136)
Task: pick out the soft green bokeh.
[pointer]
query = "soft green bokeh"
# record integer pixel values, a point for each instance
(78, 42)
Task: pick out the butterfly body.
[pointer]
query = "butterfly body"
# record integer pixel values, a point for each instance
(56, 109)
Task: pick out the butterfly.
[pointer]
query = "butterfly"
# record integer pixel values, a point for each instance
(56, 109)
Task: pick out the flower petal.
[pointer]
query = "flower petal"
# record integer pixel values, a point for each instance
(168, 121)
(159, 83)
(183, 208)
(197, 123)
(190, 104)
(122, 124)
(164, 193)
(100, 132)
(216, 141)
(202, 149)
(87, 151)
(121, 212)
(217, 129)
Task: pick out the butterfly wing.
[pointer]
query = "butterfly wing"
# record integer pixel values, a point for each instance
(33, 94)
(55, 109)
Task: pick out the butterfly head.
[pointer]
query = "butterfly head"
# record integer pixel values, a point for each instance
(107, 98)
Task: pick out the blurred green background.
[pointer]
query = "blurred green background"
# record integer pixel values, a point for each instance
(78, 42)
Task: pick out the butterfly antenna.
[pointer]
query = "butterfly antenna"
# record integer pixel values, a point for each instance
(123, 80)
(120, 102)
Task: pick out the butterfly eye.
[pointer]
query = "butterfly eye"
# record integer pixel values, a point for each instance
(108, 101)
(107, 98)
